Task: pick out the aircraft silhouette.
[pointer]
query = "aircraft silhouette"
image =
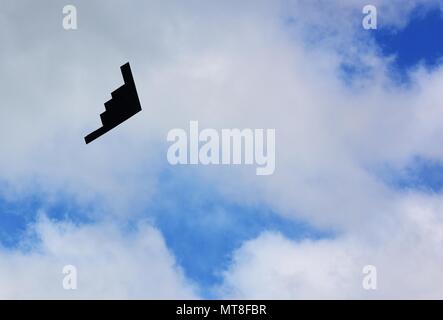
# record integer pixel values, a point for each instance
(123, 105)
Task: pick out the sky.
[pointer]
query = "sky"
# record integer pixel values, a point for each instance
(359, 168)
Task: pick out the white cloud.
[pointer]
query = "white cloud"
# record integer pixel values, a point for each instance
(226, 65)
(407, 257)
(110, 264)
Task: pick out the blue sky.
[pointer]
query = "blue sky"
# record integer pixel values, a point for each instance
(199, 225)
(20, 212)
(420, 174)
(202, 227)
(416, 44)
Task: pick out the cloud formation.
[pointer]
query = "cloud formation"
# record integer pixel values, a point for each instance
(255, 64)
(110, 264)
